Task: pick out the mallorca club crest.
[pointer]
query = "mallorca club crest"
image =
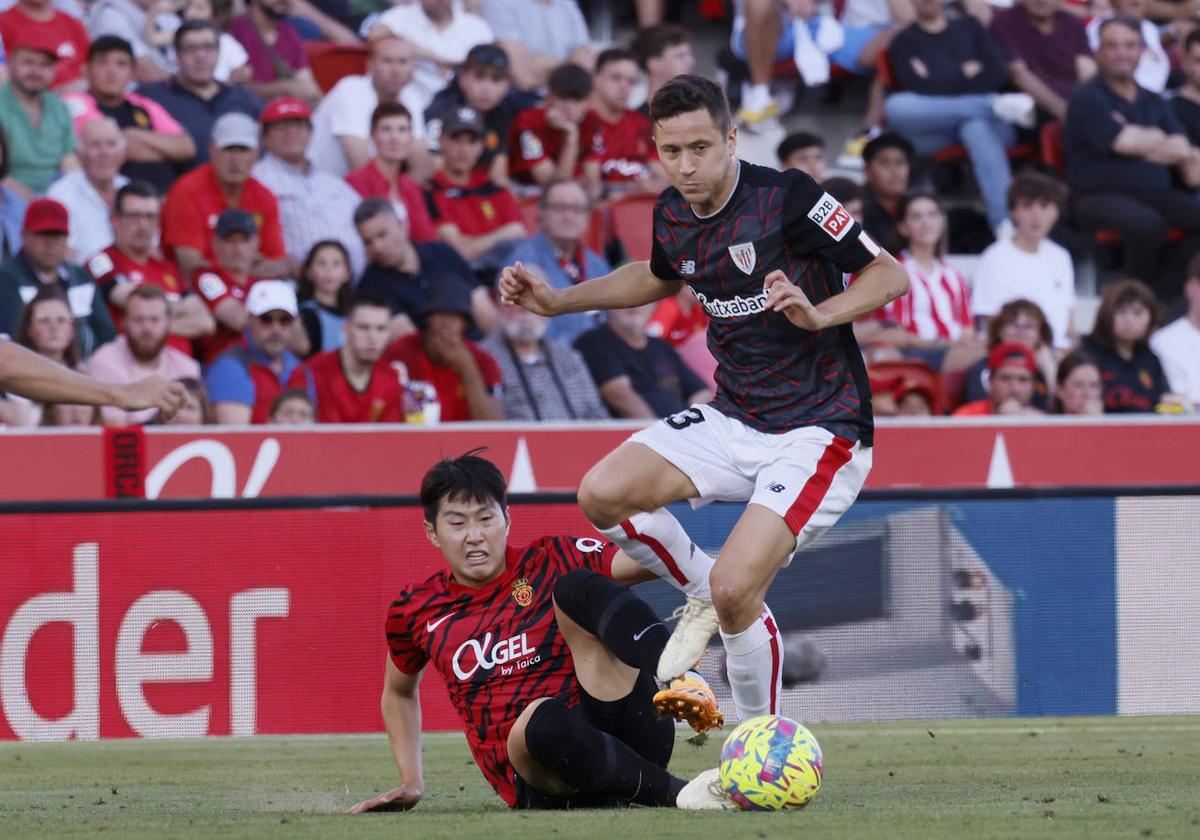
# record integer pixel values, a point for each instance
(522, 592)
(743, 256)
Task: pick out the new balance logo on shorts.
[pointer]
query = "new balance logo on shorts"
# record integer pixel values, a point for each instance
(776, 488)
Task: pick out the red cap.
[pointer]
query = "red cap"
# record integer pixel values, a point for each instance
(1012, 353)
(36, 38)
(285, 108)
(45, 215)
(919, 385)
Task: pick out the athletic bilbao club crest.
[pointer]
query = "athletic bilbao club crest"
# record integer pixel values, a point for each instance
(743, 256)
(522, 592)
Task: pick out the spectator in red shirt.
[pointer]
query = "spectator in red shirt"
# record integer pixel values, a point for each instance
(384, 177)
(466, 377)
(131, 262)
(677, 318)
(353, 385)
(543, 143)
(276, 52)
(66, 33)
(245, 381)
(1012, 368)
(199, 197)
(619, 155)
(223, 286)
(474, 215)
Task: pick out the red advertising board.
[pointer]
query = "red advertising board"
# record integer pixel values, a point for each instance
(171, 624)
(284, 461)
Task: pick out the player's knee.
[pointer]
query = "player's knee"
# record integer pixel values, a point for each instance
(547, 731)
(736, 601)
(571, 591)
(600, 499)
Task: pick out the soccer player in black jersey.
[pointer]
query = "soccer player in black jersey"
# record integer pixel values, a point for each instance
(790, 429)
(547, 658)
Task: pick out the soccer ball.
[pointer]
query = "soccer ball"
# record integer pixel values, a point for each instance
(770, 763)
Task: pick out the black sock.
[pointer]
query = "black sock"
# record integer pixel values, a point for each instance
(620, 619)
(566, 744)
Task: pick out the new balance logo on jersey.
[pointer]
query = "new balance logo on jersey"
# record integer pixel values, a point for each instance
(687, 268)
(474, 655)
(734, 307)
(776, 488)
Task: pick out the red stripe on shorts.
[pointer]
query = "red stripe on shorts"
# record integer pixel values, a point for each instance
(776, 662)
(658, 548)
(835, 456)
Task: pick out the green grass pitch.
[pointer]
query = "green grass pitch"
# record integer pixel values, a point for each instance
(1086, 778)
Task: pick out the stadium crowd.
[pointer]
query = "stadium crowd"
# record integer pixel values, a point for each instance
(299, 208)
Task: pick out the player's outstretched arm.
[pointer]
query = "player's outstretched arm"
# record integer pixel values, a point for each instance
(633, 284)
(34, 377)
(882, 281)
(401, 707)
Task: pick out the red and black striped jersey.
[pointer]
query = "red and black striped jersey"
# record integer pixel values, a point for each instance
(497, 646)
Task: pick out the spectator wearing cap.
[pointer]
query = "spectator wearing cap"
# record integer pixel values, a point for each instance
(61, 34)
(538, 36)
(131, 261)
(37, 124)
(198, 198)
(1024, 322)
(42, 261)
(804, 151)
(544, 142)
(887, 166)
(915, 397)
(403, 273)
(245, 380)
(1047, 51)
(88, 192)
(1177, 345)
(638, 375)
(618, 154)
(1011, 372)
(193, 96)
(276, 52)
(353, 384)
(342, 122)
(558, 250)
(384, 176)
(483, 84)
(474, 215)
(224, 285)
(466, 377)
(140, 352)
(441, 34)
(313, 205)
(543, 378)
(664, 51)
(155, 143)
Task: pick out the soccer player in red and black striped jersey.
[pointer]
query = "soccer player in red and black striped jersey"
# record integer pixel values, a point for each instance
(500, 625)
(790, 429)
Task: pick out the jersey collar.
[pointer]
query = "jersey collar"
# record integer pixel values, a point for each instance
(737, 182)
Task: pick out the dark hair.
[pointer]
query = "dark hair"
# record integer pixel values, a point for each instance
(290, 394)
(4, 165)
(137, 189)
(190, 26)
(1070, 363)
(50, 419)
(570, 81)
(688, 93)
(796, 141)
(844, 190)
(1128, 22)
(196, 388)
(467, 478)
(372, 207)
(913, 196)
(1119, 294)
(1191, 40)
(360, 299)
(887, 140)
(145, 291)
(1030, 187)
(1009, 312)
(305, 288)
(612, 55)
(389, 109)
(652, 41)
(106, 44)
(22, 336)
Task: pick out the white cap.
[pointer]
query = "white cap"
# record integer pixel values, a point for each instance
(235, 129)
(268, 295)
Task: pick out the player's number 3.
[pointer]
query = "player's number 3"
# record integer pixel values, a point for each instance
(684, 418)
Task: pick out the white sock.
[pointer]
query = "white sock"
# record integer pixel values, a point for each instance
(754, 660)
(756, 97)
(657, 542)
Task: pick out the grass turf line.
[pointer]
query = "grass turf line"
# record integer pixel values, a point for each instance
(1090, 778)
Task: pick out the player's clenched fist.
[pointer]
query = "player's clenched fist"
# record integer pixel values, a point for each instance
(153, 392)
(527, 289)
(400, 798)
(785, 296)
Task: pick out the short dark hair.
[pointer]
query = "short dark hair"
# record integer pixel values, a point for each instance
(613, 55)
(887, 140)
(652, 41)
(844, 190)
(106, 44)
(1029, 186)
(1069, 364)
(360, 299)
(570, 81)
(1009, 313)
(389, 109)
(137, 189)
(291, 394)
(796, 141)
(468, 478)
(305, 288)
(1128, 22)
(372, 207)
(688, 93)
(190, 26)
(1117, 295)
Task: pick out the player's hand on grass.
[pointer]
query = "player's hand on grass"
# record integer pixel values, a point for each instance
(527, 289)
(786, 297)
(152, 392)
(401, 798)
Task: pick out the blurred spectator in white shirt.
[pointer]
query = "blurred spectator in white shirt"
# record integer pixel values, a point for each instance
(88, 192)
(1177, 345)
